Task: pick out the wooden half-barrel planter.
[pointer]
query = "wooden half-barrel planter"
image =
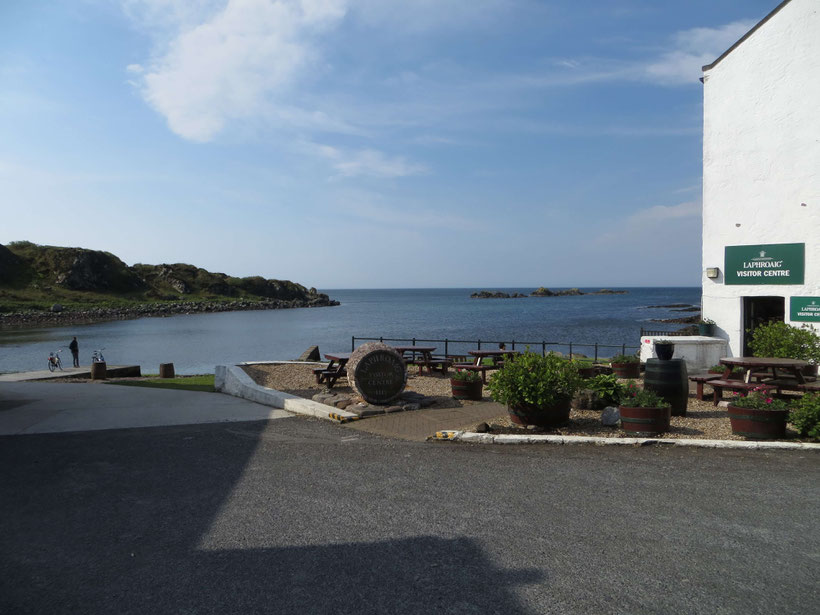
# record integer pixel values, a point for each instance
(627, 370)
(645, 421)
(758, 424)
(549, 416)
(467, 389)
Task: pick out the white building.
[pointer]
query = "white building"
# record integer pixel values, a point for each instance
(761, 176)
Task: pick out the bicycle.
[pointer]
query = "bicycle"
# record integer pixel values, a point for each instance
(54, 361)
(97, 356)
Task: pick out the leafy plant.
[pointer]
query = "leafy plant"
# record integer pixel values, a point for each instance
(758, 398)
(607, 388)
(466, 375)
(637, 397)
(663, 342)
(805, 415)
(706, 321)
(777, 339)
(624, 358)
(532, 380)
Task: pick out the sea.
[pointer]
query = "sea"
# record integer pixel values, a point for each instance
(196, 343)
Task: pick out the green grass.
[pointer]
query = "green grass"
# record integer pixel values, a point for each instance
(203, 383)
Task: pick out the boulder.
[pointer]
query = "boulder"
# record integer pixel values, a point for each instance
(311, 354)
(611, 416)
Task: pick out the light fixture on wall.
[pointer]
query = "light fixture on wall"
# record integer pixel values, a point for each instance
(712, 272)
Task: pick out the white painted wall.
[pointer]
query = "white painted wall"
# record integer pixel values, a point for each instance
(761, 157)
(700, 353)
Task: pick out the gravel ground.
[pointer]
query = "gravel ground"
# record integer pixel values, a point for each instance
(298, 379)
(702, 421)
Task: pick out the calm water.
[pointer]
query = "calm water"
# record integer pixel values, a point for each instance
(198, 342)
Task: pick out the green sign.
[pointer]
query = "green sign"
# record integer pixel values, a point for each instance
(774, 263)
(806, 309)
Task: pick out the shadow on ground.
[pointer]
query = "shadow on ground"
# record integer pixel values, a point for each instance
(114, 522)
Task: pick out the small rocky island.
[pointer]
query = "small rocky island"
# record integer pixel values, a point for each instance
(543, 292)
(59, 285)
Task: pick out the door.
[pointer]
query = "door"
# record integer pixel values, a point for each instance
(759, 311)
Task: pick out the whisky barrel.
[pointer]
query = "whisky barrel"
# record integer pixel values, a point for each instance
(166, 370)
(98, 370)
(670, 380)
(377, 372)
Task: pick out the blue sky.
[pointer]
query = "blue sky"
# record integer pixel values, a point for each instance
(365, 144)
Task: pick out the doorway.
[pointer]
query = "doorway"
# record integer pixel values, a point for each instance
(759, 311)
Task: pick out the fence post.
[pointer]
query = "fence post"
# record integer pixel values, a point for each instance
(513, 345)
(623, 349)
(596, 352)
(352, 343)
(543, 348)
(414, 341)
(479, 344)
(446, 348)
(570, 351)
(381, 340)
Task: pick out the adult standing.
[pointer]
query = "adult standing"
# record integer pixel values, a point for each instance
(74, 347)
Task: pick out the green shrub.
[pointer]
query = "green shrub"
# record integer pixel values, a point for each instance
(533, 380)
(607, 387)
(777, 339)
(624, 358)
(805, 415)
(637, 397)
(466, 375)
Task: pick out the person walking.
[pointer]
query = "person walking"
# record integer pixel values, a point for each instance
(74, 347)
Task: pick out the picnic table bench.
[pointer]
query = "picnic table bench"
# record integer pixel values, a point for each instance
(423, 357)
(734, 385)
(699, 380)
(334, 370)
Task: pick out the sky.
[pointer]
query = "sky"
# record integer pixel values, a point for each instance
(365, 143)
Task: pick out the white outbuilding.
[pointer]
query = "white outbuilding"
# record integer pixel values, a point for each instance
(761, 177)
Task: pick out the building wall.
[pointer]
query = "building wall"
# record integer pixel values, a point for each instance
(761, 158)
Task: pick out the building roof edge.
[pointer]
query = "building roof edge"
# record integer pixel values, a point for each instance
(747, 35)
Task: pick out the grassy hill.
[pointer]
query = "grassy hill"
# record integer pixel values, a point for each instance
(34, 277)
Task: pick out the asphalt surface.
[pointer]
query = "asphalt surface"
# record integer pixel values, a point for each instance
(302, 516)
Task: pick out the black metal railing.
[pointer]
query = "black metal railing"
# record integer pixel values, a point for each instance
(663, 333)
(451, 347)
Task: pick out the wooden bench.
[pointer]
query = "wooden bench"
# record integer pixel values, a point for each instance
(699, 380)
(432, 365)
(475, 368)
(330, 376)
(733, 385)
(810, 387)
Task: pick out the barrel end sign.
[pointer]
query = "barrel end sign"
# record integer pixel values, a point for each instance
(775, 263)
(805, 309)
(377, 372)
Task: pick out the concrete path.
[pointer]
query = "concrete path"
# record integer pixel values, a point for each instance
(67, 372)
(32, 407)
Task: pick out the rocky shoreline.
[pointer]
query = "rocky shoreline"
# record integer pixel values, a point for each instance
(544, 292)
(145, 310)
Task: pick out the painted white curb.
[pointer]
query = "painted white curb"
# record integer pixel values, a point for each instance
(485, 438)
(232, 380)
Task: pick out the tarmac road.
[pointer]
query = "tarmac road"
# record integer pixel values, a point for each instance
(302, 516)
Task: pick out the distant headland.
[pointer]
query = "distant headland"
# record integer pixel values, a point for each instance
(544, 292)
(58, 285)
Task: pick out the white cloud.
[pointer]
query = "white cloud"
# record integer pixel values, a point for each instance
(663, 213)
(693, 49)
(235, 63)
(659, 221)
(367, 162)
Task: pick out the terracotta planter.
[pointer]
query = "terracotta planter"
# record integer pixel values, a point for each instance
(627, 370)
(645, 421)
(758, 424)
(551, 416)
(464, 389)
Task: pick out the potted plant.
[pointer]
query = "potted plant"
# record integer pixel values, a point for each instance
(758, 415)
(664, 349)
(805, 415)
(644, 413)
(706, 327)
(586, 367)
(626, 366)
(466, 384)
(537, 390)
(735, 374)
(779, 340)
(608, 391)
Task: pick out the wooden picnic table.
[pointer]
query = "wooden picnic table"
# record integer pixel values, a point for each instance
(496, 353)
(759, 366)
(334, 370)
(425, 358)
